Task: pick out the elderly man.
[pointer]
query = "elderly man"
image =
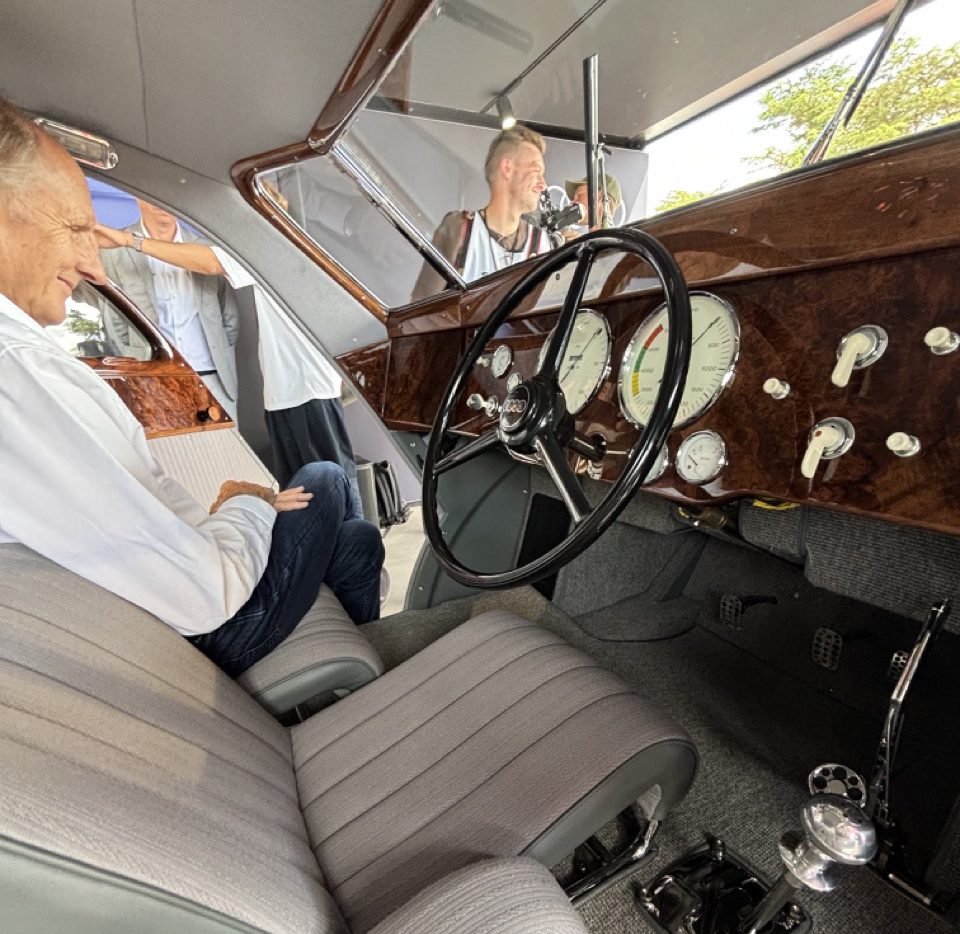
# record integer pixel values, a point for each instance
(81, 487)
(496, 236)
(197, 314)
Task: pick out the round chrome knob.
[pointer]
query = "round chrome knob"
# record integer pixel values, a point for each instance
(839, 830)
(776, 388)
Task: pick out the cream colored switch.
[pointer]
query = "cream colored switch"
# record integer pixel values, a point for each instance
(902, 444)
(856, 345)
(776, 388)
(828, 440)
(941, 340)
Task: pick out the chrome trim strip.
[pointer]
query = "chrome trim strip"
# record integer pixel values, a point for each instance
(349, 160)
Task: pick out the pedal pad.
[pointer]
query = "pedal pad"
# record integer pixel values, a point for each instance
(827, 648)
(731, 611)
(834, 779)
(898, 661)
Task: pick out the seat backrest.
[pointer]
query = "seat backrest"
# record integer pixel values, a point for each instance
(142, 789)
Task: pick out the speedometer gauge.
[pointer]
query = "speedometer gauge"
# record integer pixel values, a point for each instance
(713, 358)
(586, 363)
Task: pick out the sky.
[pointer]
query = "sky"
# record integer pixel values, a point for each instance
(690, 159)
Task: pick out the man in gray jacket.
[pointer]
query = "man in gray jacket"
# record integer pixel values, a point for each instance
(198, 314)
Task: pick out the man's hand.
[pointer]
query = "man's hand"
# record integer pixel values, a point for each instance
(109, 239)
(284, 501)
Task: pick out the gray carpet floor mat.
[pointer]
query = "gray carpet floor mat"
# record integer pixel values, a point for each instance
(758, 731)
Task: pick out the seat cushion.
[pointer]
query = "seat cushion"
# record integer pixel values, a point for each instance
(497, 740)
(130, 764)
(495, 896)
(326, 652)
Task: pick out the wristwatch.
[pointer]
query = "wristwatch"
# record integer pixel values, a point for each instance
(137, 241)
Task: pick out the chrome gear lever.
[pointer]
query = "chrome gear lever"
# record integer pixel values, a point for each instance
(835, 831)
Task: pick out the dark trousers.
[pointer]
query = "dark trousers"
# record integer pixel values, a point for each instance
(314, 431)
(319, 544)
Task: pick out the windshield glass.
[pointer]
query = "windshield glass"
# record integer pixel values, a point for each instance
(691, 103)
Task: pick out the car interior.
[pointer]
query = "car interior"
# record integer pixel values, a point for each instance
(677, 651)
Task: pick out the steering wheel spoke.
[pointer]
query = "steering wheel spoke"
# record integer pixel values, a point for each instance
(555, 461)
(550, 365)
(467, 452)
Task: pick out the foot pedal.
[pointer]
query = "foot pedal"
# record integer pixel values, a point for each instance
(834, 779)
(731, 611)
(898, 661)
(827, 648)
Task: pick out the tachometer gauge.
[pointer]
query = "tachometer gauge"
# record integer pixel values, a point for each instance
(713, 359)
(586, 363)
(701, 457)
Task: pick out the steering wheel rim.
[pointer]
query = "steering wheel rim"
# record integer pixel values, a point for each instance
(534, 422)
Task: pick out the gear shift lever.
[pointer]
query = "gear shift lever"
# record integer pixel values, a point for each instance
(835, 831)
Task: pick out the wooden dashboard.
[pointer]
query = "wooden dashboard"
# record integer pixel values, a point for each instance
(804, 260)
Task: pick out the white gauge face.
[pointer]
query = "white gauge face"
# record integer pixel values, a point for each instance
(713, 357)
(586, 363)
(701, 457)
(502, 358)
(515, 380)
(659, 466)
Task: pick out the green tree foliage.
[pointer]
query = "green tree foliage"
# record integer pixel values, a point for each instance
(913, 90)
(678, 197)
(82, 326)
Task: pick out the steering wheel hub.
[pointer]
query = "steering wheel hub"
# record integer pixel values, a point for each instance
(517, 409)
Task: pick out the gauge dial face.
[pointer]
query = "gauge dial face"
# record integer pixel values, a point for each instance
(713, 358)
(586, 363)
(515, 380)
(502, 358)
(701, 457)
(659, 466)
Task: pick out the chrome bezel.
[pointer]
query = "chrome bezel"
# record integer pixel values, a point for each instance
(495, 367)
(514, 380)
(725, 380)
(881, 340)
(606, 365)
(687, 442)
(663, 462)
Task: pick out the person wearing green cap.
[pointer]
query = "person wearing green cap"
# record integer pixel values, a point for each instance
(606, 206)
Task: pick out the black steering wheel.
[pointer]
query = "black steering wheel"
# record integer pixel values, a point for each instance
(534, 423)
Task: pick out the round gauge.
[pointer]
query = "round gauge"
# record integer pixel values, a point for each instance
(713, 358)
(586, 363)
(701, 457)
(515, 380)
(502, 358)
(659, 466)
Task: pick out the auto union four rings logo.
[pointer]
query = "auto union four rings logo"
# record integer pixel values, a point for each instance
(513, 407)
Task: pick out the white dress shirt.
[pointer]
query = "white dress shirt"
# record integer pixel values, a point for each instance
(294, 371)
(78, 484)
(178, 310)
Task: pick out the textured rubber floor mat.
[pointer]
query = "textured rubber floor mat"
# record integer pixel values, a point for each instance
(827, 648)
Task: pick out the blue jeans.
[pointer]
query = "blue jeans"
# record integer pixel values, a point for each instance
(323, 543)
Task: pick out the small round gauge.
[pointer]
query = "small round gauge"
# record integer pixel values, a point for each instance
(586, 363)
(659, 466)
(514, 380)
(713, 358)
(502, 358)
(701, 457)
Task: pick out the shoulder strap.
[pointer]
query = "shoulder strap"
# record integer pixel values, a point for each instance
(466, 227)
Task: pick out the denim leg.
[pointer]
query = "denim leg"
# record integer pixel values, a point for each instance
(306, 543)
(354, 571)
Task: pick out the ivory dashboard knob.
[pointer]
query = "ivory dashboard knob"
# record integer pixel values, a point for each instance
(902, 444)
(776, 388)
(941, 340)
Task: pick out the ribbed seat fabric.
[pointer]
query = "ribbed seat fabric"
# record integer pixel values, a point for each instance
(327, 651)
(475, 747)
(124, 749)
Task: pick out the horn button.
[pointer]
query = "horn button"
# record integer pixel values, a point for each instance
(525, 413)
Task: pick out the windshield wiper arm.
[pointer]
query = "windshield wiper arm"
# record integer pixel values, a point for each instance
(851, 100)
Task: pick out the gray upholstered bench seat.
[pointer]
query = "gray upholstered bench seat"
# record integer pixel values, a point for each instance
(145, 791)
(326, 654)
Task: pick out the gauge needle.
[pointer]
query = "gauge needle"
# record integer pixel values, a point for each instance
(579, 356)
(704, 331)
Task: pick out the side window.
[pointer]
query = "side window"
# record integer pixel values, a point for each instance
(96, 328)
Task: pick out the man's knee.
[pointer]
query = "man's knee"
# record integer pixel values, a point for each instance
(364, 545)
(321, 476)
